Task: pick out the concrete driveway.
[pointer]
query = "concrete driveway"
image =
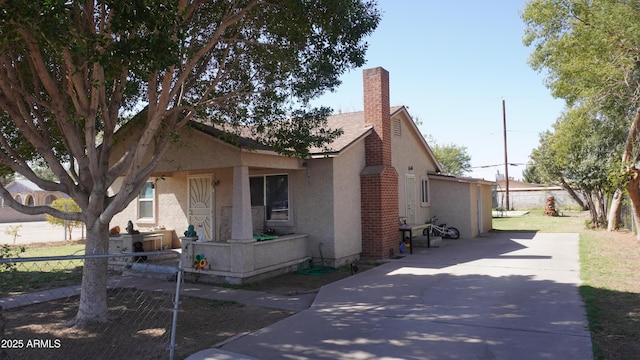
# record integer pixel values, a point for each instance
(502, 296)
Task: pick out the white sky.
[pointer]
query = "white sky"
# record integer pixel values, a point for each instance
(452, 63)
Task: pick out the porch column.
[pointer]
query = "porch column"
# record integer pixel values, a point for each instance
(241, 225)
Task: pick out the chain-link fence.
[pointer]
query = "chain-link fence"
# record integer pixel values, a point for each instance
(39, 298)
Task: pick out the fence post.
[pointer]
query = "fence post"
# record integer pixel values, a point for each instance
(176, 308)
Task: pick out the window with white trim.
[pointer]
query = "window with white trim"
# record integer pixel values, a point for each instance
(424, 191)
(146, 202)
(272, 192)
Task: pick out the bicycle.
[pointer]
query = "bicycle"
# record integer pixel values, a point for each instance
(442, 230)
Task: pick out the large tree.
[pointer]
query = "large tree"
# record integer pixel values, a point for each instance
(589, 50)
(454, 159)
(74, 72)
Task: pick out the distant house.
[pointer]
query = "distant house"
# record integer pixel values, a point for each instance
(27, 193)
(260, 212)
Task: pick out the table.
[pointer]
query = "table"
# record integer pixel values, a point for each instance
(156, 238)
(404, 228)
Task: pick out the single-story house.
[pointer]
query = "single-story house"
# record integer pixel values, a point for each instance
(27, 193)
(258, 212)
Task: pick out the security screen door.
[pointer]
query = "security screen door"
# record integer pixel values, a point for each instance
(200, 204)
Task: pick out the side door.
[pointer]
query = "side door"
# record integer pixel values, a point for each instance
(410, 198)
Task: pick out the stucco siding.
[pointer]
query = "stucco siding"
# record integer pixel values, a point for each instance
(170, 207)
(314, 206)
(347, 208)
(197, 151)
(409, 157)
(487, 205)
(450, 202)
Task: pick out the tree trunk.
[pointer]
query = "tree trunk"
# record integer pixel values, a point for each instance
(633, 189)
(615, 210)
(573, 195)
(93, 296)
(592, 209)
(632, 186)
(600, 205)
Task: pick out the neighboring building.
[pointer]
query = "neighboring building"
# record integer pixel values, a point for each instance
(26, 193)
(341, 204)
(526, 196)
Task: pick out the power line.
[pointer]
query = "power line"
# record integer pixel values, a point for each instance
(488, 166)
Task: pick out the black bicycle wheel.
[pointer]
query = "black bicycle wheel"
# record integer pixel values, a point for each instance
(452, 233)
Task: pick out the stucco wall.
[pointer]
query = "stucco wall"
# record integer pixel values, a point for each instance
(463, 204)
(450, 201)
(409, 157)
(487, 204)
(170, 207)
(313, 206)
(535, 199)
(347, 208)
(197, 151)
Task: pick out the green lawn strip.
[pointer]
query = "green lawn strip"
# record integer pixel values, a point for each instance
(32, 276)
(611, 293)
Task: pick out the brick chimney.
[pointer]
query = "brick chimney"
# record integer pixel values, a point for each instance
(379, 179)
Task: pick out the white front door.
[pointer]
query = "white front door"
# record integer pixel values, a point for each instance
(201, 203)
(410, 194)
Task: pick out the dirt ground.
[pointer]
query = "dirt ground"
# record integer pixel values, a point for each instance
(140, 323)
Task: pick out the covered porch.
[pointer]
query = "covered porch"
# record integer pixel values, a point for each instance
(230, 194)
(236, 249)
(241, 261)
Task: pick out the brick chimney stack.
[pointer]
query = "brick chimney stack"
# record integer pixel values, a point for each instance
(377, 112)
(379, 179)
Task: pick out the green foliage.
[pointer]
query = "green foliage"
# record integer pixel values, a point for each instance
(79, 69)
(454, 159)
(10, 252)
(589, 52)
(530, 174)
(74, 76)
(65, 205)
(13, 231)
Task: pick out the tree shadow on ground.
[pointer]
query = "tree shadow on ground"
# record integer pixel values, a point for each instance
(614, 319)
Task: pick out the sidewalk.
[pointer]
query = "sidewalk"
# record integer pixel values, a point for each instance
(504, 296)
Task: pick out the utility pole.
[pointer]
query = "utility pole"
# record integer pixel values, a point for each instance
(506, 163)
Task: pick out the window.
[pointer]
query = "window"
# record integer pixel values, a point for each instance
(424, 193)
(146, 203)
(272, 192)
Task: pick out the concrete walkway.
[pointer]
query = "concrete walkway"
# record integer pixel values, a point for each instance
(504, 296)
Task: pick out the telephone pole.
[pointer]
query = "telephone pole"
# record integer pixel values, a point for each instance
(506, 163)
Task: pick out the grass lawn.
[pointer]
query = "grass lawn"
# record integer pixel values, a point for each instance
(40, 275)
(610, 267)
